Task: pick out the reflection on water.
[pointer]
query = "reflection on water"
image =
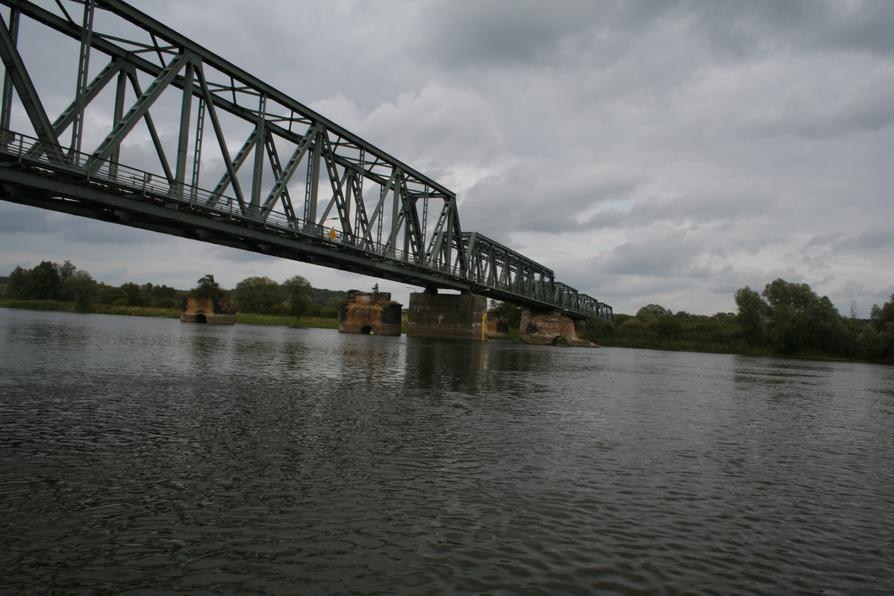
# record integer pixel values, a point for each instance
(144, 456)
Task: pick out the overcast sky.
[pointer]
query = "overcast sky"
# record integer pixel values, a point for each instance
(648, 151)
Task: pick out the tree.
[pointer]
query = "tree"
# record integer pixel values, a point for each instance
(651, 312)
(41, 283)
(752, 312)
(162, 296)
(870, 345)
(636, 332)
(207, 288)
(82, 289)
(875, 314)
(827, 330)
(787, 321)
(596, 329)
(46, 283)
(65, 273)
(506, 311)
(881, 316)
(883, 325)
(258, 295)
(17, 285)
(797, 296)
(800, 320)
(666, 326)
(67, 270)
(297, 293)
(106, 294)
(133, 294)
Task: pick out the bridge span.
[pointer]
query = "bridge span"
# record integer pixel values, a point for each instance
(249, 167)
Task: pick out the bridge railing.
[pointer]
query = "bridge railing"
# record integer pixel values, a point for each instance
(146, 184)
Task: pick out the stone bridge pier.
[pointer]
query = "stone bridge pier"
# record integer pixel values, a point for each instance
(540, 327)
(462, 316)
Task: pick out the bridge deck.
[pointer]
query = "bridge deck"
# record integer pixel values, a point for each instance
(276, 192)
(137, 198)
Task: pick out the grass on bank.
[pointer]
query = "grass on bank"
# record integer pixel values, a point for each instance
(103, 309)
(170, 313)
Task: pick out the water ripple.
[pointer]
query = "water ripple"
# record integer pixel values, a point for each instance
(148, 457)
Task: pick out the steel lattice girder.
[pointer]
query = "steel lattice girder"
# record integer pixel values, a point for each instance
(211, 87)
(183, 65)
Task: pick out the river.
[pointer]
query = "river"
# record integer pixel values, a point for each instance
(144, 456)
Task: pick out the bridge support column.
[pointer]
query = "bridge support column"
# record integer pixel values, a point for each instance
(372, 313)
(549, 328)
(461, 316)
(206, 310)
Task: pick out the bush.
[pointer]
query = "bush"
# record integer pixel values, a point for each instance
(636, 332)
(166, 303)
(258, 295)
(599, 330)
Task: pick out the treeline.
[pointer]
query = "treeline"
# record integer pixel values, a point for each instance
(50, 281)
(294, 297)
(785, 319)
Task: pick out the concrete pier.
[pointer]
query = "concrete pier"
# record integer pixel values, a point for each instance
(461, 316)
(373, 313)
(550, 328)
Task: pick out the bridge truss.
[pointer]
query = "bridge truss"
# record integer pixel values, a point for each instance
(226, 158)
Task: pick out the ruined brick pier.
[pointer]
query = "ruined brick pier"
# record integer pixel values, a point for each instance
(206, 310)
(550, 328)
(458, 316)
(370, 313)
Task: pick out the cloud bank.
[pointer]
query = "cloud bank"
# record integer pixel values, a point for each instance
(647, 151)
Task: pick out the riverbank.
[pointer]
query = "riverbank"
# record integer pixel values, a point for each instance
(170, 313)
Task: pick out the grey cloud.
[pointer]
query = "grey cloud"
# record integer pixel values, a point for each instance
(627, 292)
(492, 33)
(871, 240)
(865, 105)
(862, 25)
(23, 219)
(868, 28)
(742, 28)
(436, 126)
(866, 240)
(675, 150)
(860, 297)
(241, 256)
(691, 210)
(18, 219)
(536, 197)
(106, 233)
(664, 254)
(489, 34)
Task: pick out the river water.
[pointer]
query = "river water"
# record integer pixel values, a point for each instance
(143, 456)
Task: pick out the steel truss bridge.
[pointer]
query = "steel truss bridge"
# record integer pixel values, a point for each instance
(281, 172)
